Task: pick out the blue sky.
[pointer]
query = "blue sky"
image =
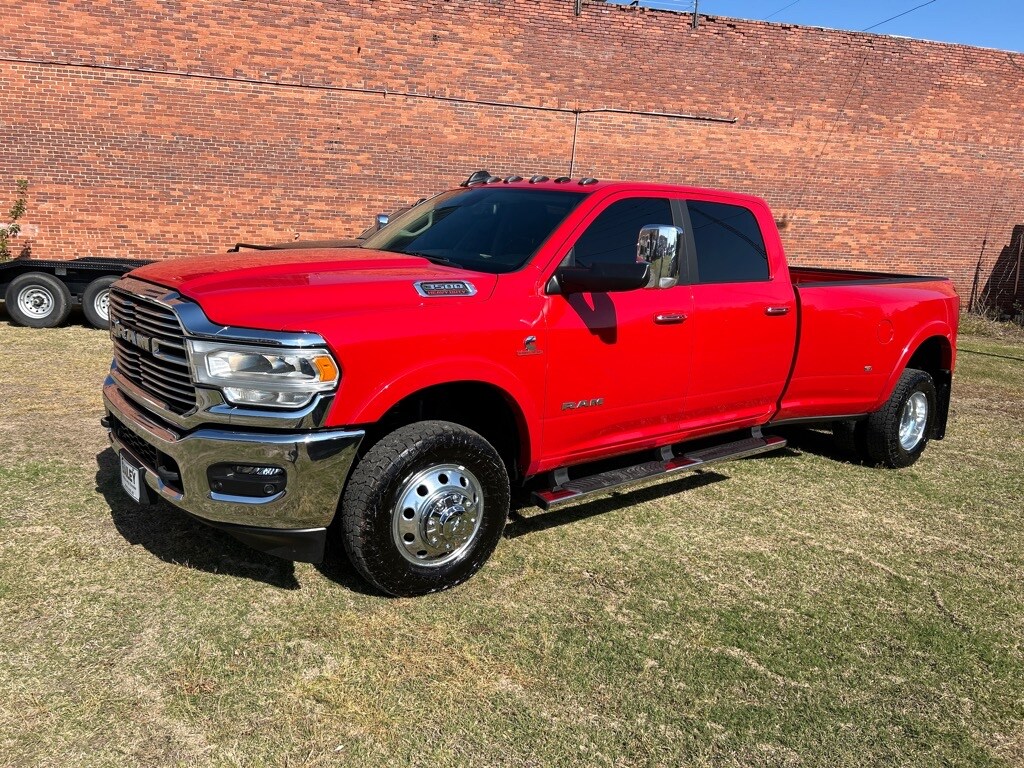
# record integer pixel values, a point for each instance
(988, 23)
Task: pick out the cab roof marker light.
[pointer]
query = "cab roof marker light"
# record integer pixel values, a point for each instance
(587, 180)
(512, 179)
(562, 180)
(477, 177)
(538, 179)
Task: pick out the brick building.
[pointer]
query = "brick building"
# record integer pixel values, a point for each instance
(157, 128)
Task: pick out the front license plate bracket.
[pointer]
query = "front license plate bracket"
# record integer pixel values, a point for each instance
(133, 479)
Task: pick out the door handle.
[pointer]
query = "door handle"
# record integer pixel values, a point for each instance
(775, 311)
(669, 318)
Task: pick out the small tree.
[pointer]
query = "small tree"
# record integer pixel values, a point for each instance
(11, 229)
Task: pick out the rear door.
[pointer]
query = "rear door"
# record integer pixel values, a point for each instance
(744, 322)
(617, 362)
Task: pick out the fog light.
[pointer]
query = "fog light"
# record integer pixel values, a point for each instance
(248, 480)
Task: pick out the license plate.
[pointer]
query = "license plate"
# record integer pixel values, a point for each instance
(131, 478)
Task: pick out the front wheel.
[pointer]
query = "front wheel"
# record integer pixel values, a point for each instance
(897, 434)
(424, 508)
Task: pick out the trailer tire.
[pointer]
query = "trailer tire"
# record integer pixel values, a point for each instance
(38, 300)
(95, 301)
(424, 508)
(897, 433)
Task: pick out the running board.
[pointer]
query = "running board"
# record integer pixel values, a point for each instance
(573, 490)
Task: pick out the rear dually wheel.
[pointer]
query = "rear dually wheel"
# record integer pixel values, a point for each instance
(896, 435)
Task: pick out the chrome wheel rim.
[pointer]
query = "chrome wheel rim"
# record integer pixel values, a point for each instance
(36, 301)
(102, 304)
(913, 421)
(437, 515)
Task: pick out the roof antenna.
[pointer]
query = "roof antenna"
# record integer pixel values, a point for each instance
(694, 24)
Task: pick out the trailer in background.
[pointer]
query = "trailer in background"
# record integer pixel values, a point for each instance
(40, 293)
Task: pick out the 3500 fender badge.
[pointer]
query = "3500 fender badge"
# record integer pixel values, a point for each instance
(445, 288)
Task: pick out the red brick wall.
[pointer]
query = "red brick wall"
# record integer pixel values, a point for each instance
(162, 127)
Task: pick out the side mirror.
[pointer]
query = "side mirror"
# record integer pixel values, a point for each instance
(600, 278)
(659, 245)
(382, 220)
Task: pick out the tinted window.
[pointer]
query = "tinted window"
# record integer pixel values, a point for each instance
(729, 245)
(489, 229)
(612, 236)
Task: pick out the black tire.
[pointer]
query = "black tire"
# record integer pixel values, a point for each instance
(94, 303)
(882, 428)
(38, 300)
(385, 497)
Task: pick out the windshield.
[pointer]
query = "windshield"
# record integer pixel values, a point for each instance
(487, 229)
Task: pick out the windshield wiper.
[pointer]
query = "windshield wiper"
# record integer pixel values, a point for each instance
(436, 259)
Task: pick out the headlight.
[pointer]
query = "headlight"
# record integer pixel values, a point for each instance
(269, 376)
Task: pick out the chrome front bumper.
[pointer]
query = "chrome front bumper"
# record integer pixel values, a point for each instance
(316, 465)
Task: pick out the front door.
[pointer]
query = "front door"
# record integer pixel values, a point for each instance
(617, 362)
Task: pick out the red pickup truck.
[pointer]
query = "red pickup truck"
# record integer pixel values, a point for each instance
(557, 336)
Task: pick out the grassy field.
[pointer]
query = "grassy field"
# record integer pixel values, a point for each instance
(792, 610)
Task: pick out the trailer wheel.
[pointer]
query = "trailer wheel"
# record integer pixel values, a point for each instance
(38, 300)
(898, 432)
(424, 508)
(95, 301)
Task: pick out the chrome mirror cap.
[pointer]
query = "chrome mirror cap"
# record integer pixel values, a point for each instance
(659, 245)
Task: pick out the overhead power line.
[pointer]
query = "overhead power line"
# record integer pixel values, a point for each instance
(922, 5)
(776, 13)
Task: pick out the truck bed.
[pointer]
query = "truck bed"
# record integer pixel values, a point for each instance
(857, 330)
(824, 276)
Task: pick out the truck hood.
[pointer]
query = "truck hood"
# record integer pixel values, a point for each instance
(290, 290)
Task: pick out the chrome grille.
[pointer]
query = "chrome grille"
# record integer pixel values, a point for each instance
(159, 364)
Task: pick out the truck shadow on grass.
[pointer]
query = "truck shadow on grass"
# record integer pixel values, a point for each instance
(820, 442)
(176, 538)
(525, 518)
(521, 525)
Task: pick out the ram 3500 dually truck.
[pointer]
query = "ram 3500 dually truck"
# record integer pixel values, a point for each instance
(562, 336)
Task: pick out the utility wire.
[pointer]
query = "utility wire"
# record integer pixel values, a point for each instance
(835, 123)
(683, 6)
(922, 5)
(781, 10)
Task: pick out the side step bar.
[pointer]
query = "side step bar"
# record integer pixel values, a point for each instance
(573, 490)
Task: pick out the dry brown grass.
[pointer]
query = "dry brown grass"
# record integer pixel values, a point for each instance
(797, 609)
(976, 325)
